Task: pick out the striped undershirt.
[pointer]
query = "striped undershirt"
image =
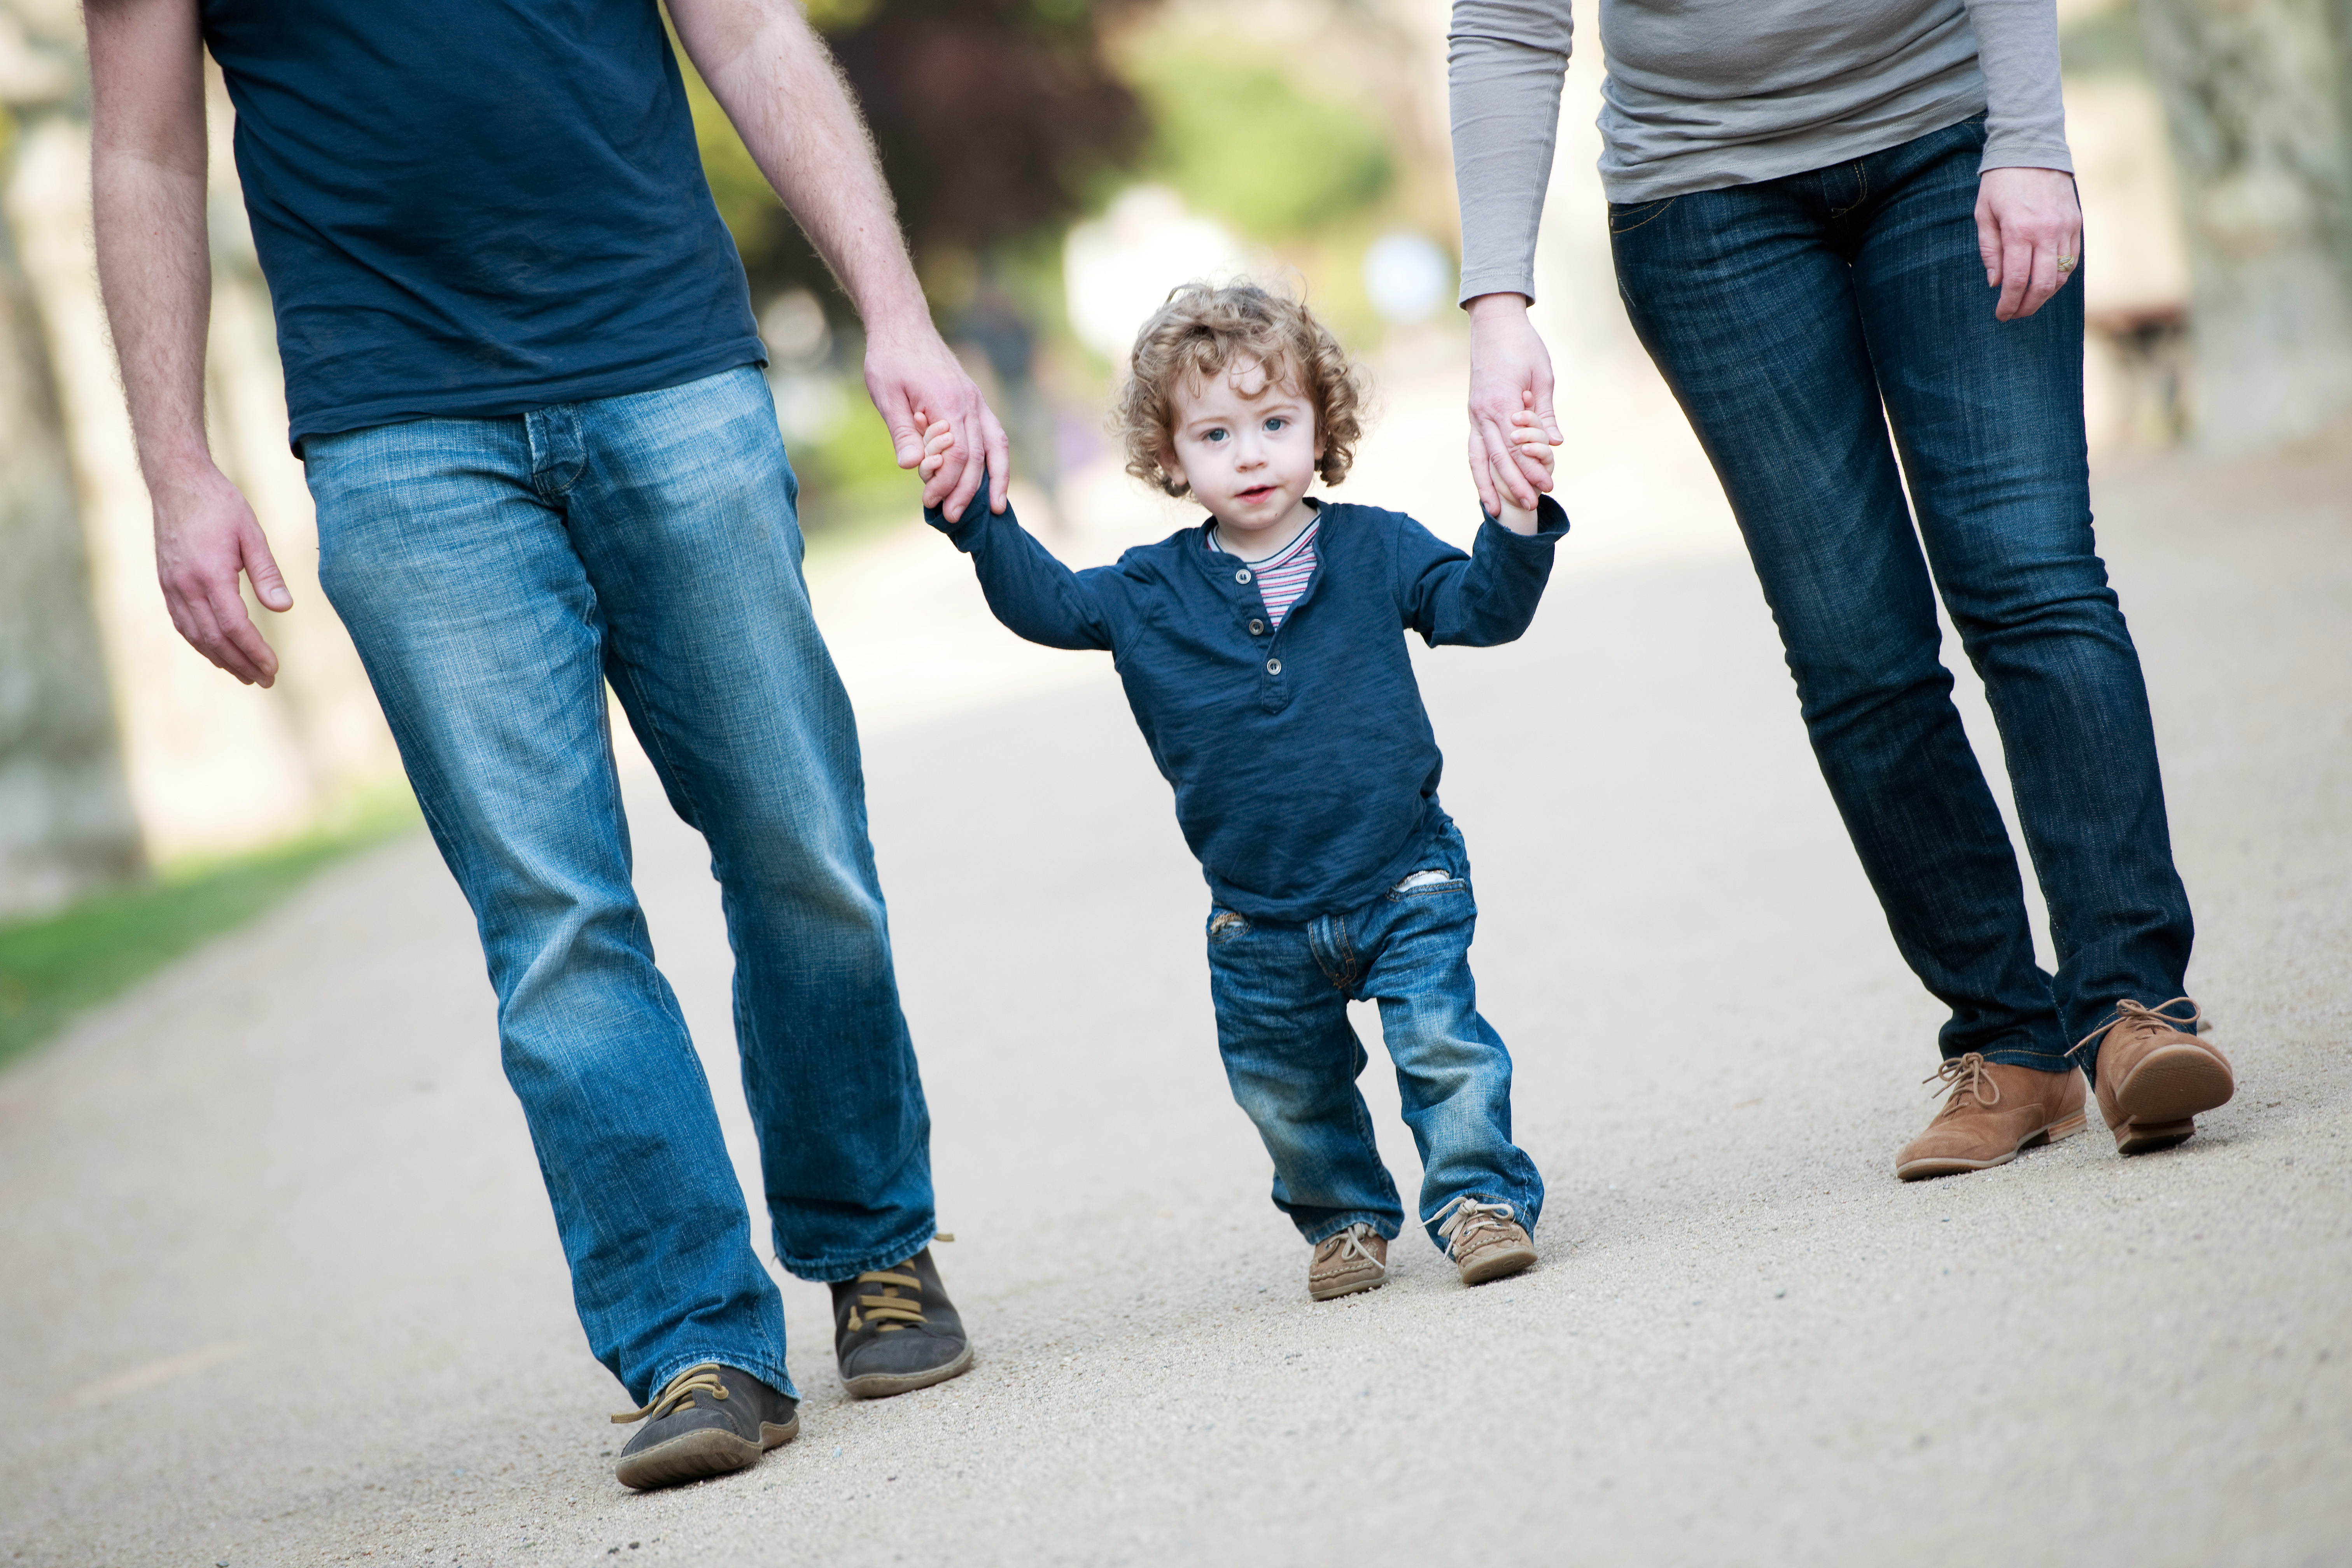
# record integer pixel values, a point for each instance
(1283, 575)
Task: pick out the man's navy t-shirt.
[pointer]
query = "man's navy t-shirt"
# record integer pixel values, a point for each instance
(476, 208)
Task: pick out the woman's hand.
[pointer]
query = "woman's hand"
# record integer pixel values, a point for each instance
(1509, 371)
(2030, 233)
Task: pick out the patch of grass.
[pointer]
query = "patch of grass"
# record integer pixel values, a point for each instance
(56, 965)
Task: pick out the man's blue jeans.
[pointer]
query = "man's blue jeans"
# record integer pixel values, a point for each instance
(495, 575)
(1797, 320)
(1282, 992)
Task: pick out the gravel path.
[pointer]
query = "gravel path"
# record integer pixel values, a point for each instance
(279, 1284)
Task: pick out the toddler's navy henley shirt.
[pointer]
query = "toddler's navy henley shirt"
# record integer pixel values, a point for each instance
(1304, 768)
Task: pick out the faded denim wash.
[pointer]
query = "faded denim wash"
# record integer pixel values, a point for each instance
(1282, 991)
(495, 575)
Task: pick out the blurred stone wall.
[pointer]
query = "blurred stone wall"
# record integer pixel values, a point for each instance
(2258, 97)
(66, 821)
(208, 764)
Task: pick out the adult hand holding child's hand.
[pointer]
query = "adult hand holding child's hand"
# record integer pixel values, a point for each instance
(938, 441)
(1530, 450)
(917, 384)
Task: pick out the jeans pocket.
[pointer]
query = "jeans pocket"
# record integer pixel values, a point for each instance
(1626, 216)
(1424, 884)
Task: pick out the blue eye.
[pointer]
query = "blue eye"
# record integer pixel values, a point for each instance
(1217, 435)
(1275, 424)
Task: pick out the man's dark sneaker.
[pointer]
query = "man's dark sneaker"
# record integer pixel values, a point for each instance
(711, 1419)
(895, 1329)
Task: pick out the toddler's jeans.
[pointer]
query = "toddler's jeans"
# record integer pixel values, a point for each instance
(1282, 992)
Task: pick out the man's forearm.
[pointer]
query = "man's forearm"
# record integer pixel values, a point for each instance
(154, 260)
(147, 172)
(780, 87)
(155, 269)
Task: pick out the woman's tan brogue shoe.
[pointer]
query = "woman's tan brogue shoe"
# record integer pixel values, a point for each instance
(2156, 1074)
(1994, 1111)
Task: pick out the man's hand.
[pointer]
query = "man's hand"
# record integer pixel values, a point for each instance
(916, 384)
(780, 89)
(1510, 372)
(205, 536)
(2028, 222)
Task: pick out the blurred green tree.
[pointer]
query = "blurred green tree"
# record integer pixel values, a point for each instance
(1239, 141)
(996, 121)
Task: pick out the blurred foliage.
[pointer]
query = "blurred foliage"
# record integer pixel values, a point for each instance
(54, 966)
(1000, 122)
(1239, 141)
(2108, 43)
(995, 120)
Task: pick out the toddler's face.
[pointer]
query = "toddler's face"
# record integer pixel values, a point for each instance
(1247, 446)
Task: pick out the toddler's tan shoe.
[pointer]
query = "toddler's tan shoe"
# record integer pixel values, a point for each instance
(2156, 1075)
(1994, 1111)
(1355, 1260)
(1485, 1240)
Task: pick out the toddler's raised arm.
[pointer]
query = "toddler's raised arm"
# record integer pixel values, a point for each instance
(1486, 597)
(1029, 591)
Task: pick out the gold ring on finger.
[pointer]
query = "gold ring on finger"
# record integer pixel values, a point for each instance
(2066, 264)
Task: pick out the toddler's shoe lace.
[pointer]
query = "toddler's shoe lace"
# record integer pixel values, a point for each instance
(1459, 1221)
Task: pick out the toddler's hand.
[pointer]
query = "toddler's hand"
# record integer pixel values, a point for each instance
(938, 441)
(1529, 443)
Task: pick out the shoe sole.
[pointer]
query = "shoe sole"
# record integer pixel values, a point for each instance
(1950, 1165)
(698, 1456)
(1496, 1264)
(1334, 1290)
(883, 1385)
(2147, 1137)
(2172, 1084)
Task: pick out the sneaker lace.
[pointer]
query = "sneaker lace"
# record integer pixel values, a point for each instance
(1351, 1245)
(890, 1311)
(1967, 1075)
(2139, 1016)
(694, 1380)
(1464, 1218)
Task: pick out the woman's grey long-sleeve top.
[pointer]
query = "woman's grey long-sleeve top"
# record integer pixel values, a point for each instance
(1701, 94)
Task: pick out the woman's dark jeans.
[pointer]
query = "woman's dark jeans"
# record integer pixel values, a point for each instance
(1797, 320)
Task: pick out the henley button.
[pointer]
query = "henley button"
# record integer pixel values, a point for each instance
(1273, 666)
(1242, 575)
(1257, 629)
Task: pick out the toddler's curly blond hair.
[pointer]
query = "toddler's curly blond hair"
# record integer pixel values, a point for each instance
(1203, 330)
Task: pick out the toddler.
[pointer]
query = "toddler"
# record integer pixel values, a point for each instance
(1262, 654)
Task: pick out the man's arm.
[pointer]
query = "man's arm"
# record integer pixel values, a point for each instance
(1504, 62)
(779, 86)
(154, 265)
